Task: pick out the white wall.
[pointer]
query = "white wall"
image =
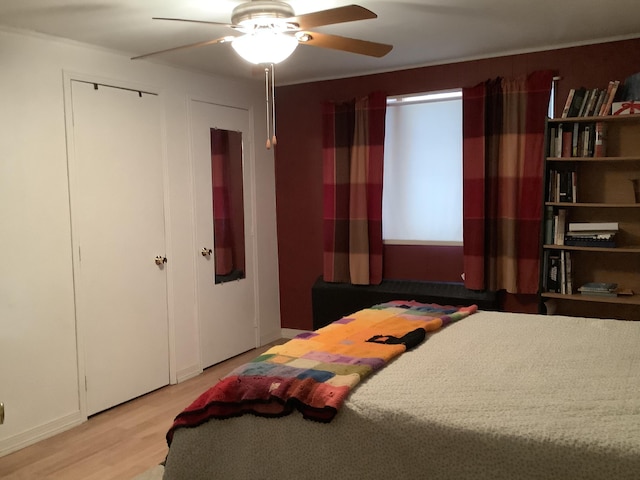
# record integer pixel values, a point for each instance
(38, 363)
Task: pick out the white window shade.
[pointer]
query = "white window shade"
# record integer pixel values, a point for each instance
(422, 189)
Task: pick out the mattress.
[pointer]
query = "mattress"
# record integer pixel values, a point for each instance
(495, 395)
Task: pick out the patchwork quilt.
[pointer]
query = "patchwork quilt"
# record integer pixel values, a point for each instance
(314, 372)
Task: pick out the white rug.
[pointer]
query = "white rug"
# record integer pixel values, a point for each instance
(153, 474)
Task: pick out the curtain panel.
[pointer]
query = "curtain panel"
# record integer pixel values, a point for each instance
(353, 153)
(503, 170)
(222, 228)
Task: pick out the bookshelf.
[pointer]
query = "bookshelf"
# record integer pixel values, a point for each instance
(591, 186)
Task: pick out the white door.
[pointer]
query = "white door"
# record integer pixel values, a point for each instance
(226, 311)
(118, 230)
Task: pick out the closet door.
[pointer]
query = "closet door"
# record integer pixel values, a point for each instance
(226, 303)
(118, 231)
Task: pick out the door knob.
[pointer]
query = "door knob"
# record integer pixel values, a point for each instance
(205, 252)
(160, 260)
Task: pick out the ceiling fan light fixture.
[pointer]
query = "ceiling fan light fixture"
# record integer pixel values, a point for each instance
(265, 46)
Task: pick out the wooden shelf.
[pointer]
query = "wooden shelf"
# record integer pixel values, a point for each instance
(628, 249)
(620, 299)
(592, 205)
(593, 159)
(605, 118)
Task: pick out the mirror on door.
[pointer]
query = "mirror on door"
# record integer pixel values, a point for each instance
(228, 206)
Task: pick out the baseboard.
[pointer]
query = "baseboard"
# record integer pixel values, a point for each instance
(187, 373)
(34, 435)
(291, 332)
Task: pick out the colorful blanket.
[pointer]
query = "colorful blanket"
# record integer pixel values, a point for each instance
(315, 371)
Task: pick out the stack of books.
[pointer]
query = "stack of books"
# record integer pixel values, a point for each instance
(599, 289)
(592, 234)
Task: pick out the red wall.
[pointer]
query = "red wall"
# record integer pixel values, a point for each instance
(299, 159)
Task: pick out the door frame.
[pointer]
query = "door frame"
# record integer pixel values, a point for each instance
(248, 168)
(68, 78)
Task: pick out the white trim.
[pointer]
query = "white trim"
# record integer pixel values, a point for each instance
(187, 373)
(36, 434)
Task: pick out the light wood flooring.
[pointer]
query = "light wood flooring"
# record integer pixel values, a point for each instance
(119, 443)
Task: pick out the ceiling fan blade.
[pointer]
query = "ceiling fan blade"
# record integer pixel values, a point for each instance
(332, 16)
(193, 21)
(345, 44)
(191, 45)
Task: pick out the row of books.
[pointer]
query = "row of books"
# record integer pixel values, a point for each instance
(583, 102)
(559, 276)
(578, 140)
(562, 186)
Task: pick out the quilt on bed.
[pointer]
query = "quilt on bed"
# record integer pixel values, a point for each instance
(315, 371)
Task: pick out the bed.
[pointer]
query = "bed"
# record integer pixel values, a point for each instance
(489, 395)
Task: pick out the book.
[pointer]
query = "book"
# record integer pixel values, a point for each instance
(560, 226)
(576, 102)
(601, 98)
(600, 294)
(590, 242)
(606, 98)
(567, 141)
(585, 101)
(598, 287)
(586, 146)
(593, 226)
(551, 186)
(553, 135)
(610, 97)
(548, 225)
(567, 104)
(559, 140)
(568, 273)
(553, 277)
(575, 139)
(545, 270)
(566, 190)
(563, 272)
(591, 102)
(600, 142)
(597, 235)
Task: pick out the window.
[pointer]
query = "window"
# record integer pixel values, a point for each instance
(422, 193)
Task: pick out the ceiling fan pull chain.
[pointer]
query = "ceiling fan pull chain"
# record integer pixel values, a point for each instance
(274, 140)
(266, 94)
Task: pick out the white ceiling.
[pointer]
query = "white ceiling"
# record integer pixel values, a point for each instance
(423, 32)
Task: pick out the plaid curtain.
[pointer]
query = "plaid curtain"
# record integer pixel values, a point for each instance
(353, 152)
(503, 130)
(222, 233)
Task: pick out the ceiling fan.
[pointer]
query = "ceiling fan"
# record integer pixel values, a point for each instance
(270, 31)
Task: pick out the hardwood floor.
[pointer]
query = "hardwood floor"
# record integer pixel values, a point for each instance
(119, 443)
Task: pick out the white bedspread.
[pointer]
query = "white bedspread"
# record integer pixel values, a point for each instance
(494, 396)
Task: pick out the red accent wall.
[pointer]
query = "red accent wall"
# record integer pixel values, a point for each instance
(298, 166)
